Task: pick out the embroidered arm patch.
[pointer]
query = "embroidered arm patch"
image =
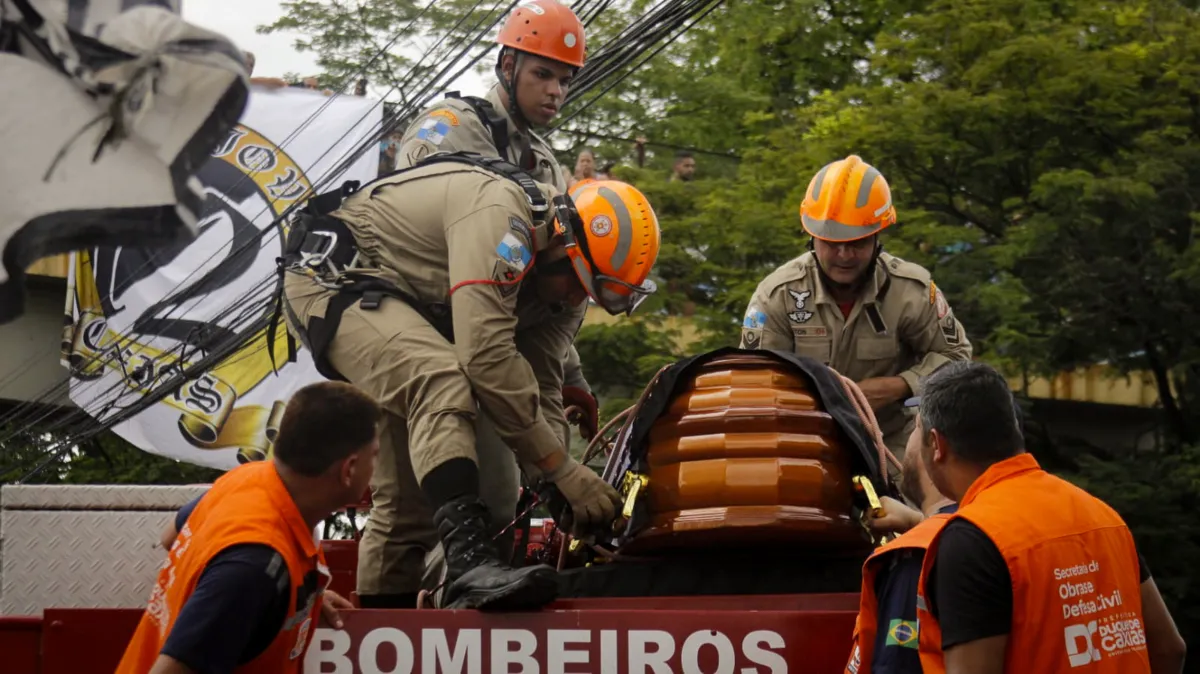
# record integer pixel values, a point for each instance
(752, 324)
(434, 130)
(514, 258)
(755, 317)
(514, 252)
(937, 299)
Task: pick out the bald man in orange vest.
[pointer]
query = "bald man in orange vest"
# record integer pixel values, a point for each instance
(886, 631)
(1032, 574)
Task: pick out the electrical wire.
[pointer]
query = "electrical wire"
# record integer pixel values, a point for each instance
(650, 143)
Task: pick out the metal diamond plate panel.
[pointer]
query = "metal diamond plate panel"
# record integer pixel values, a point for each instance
(107, 497)
(78, 559)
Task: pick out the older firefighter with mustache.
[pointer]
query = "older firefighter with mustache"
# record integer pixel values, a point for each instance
(873, 317)
(542, 47)
(452, 289)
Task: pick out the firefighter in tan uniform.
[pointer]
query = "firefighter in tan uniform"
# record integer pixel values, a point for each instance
(876, 319)
(542, 46)
(453, 289)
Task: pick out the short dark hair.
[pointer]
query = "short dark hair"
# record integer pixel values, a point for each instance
(324, 423)
(971, 404)
(683, 154)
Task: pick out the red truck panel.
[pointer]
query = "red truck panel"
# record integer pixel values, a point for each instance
(21, 645)
(660, 635)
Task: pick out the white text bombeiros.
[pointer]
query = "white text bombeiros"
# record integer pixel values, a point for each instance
(649, 651)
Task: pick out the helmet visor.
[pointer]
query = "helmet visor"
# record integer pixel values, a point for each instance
(619, 297)
(612, 294)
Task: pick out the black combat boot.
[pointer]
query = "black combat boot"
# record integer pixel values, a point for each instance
(475, 576)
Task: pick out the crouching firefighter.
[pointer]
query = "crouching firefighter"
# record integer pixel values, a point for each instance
(456, 283)
(542, 45)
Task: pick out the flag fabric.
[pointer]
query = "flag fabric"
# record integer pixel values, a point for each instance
(902, 633)
(135, 317)
(110, 106)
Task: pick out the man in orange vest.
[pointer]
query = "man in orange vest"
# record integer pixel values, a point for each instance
(245, 579)
(1032, 574)
(885, 634)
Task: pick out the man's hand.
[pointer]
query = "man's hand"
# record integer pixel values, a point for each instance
(589, 419)
(882, 391)
(331, 607)
(897, 517)
(593, 501)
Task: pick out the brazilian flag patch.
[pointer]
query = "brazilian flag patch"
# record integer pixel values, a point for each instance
(902, 633)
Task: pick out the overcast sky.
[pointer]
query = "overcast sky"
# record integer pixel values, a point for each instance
(273, 54)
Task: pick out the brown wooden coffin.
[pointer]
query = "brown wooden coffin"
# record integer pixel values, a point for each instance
(746, 454)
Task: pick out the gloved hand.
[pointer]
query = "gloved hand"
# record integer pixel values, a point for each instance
(593, 501)
(589, 420)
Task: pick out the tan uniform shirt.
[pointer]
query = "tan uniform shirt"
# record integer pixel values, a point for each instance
(460, 239)
(900, 326)
(452, 125)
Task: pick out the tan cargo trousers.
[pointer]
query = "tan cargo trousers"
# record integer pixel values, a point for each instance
(395, 355)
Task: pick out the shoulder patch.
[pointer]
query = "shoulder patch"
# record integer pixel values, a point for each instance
(434, 129)
(446, 114)
(417, 153)
(520, 227)
(950, 331)
(936, 298)
(514, 252)
(506, 277)
(755, 317)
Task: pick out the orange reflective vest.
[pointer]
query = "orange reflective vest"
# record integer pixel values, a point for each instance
(1077, 605)
(249, 504)
(862, 652)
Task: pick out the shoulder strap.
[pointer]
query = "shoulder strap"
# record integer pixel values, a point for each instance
(490, 118)
(328, 202)
(501, 167)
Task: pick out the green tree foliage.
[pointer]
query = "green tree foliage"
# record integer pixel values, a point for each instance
(104, 459)
(1053, 146)
(397, 43)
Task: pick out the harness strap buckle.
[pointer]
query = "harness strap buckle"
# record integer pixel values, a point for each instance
(371, 300)
(317, 253)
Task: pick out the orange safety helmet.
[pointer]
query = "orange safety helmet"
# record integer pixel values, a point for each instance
(847, 200)
(545, 28)
(612, 239)
(579, 184)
